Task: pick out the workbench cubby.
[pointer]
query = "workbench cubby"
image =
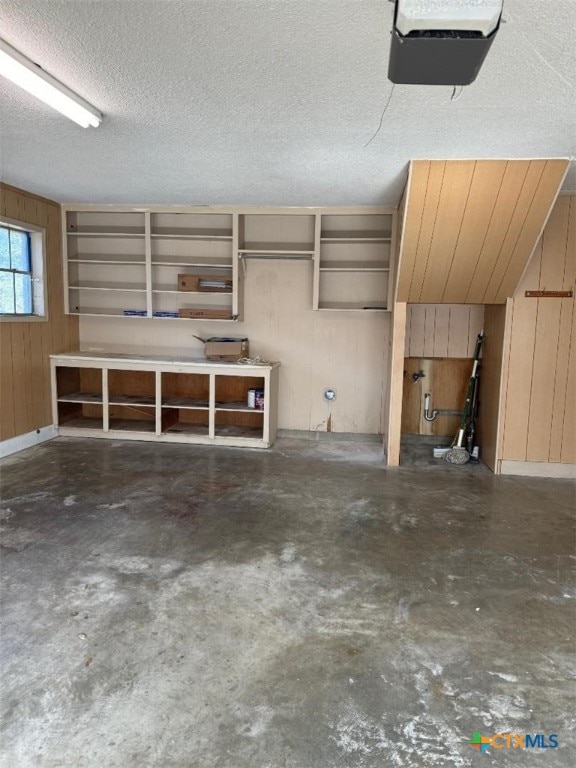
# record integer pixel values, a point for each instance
(234, 417)
(79, 397)
(185, 403)
(163, 399)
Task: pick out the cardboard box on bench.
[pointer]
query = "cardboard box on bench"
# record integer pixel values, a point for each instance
(226, 348)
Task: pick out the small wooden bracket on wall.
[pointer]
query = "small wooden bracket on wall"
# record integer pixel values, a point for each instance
(549, 294)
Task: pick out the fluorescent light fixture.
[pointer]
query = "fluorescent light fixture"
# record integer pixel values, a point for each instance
(20, 70)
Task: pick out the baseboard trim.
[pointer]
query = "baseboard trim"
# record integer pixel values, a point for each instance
(30, 439)
(353, 437)
(538, 469)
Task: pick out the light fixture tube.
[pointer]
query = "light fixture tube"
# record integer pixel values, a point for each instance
(23, 72)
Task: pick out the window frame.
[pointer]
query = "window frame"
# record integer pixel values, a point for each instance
(38, 271)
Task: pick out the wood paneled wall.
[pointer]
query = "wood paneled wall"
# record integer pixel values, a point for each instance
(539, 385)
(25, 346)
(442, 330)
(471, 226)
(490, 380)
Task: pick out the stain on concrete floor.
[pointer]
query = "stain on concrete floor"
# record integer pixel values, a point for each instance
(195, 607)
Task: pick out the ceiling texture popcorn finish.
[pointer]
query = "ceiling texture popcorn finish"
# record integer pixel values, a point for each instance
(261, 102)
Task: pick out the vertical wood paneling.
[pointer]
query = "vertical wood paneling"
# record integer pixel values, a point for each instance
(7, 423)
(476, 325)
(429, 327)
(440, 346)
(539, 420)
(568, 450)
(519, 384)
(519, 220)
(416, 324)
(482, 200)
(459, 331)
(542, 404)
(25, 347)
(503, 215)
(567, 351)
(490, 380)
(442, 330)
(529, 232)
(569, 280)
(416, 190)
(561, 407)
(471, 225)
(426, 226)
(452, 201)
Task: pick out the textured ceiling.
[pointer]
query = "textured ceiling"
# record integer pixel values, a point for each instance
(267, 101)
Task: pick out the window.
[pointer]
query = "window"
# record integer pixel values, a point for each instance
(21, 271)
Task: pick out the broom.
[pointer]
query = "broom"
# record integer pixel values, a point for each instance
(458, 454)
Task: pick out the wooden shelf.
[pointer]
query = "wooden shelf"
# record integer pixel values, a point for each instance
(191, 234)
(188, 261)
(106, 232)
(147, 401)
(238, 431)
(123, 259)
(278, 248)
(81, 397)
(96, 312)
(84, 422)
(350, 306)
(187, 403)
(241, 407)
(131, 425)
(187, 428)
(354, 266)
(125, 287)
(168, 289)
(355, 237)
(200, 319)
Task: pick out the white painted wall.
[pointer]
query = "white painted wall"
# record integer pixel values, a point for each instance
(347, 351)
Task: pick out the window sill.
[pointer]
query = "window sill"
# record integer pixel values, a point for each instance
(23, 319)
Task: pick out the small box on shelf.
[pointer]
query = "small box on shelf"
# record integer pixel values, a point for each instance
(188, 282)
(226, 347)
(212, 313)
(205, 283)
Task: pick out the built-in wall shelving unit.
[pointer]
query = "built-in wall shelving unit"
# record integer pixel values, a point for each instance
(353, 265)
(262, 234)
(125, 262)
(163, 399)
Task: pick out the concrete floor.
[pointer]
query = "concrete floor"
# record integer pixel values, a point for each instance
(301, 607)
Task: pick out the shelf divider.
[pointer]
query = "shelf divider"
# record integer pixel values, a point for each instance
(158, 411)
(212, 411)
(148, 258)
(105, 401)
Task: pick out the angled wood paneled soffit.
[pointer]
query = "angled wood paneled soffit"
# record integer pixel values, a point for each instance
(470, 227)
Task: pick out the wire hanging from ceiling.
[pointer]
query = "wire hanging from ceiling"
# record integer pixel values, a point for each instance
(382, 116)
